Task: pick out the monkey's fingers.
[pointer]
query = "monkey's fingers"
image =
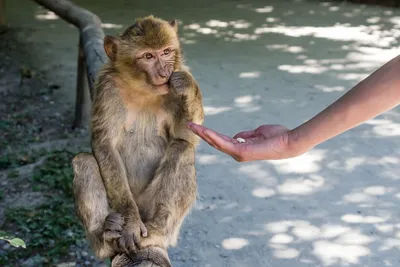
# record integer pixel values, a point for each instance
(143, 229)
(125, 243)
(136, 236)
(114, 222)
(111, 235)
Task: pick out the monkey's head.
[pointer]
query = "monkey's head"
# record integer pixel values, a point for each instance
(149, 50)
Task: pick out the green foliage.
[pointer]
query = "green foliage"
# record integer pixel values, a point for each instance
(56, 172)
(14, 160)
(13, 174)
(14, 241)
(52, 228)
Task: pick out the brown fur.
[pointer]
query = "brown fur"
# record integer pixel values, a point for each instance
(141, 177)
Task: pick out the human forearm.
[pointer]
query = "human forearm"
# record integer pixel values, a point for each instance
(374, 95)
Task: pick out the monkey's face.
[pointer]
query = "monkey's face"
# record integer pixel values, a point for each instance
(157, 65)
(148, 51)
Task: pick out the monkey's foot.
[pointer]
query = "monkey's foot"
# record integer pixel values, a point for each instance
(147, 257)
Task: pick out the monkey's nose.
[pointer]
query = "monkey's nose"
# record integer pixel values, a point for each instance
(163, 74)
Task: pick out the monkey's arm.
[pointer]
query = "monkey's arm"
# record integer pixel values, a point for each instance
(107, 121)
(113, 173)
(172, 192)
(184, 84)
(174, 185)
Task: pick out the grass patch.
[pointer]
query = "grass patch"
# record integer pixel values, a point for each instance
(50, 229)
(9, 161)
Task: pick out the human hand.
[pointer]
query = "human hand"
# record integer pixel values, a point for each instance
(267, 142)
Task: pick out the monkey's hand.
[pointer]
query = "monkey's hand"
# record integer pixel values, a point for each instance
(112, 229)
(131, 235)
(180, 81)
(123, 237)
(154, 239)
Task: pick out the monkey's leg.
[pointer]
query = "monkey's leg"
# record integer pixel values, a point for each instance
(92, 206)
(170, 195)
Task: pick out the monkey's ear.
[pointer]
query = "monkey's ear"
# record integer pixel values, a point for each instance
(111, 46)
(174, 24)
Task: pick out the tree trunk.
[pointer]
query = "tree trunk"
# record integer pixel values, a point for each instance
(2, 12)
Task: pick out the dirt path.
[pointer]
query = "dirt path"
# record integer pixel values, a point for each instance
(268, 62)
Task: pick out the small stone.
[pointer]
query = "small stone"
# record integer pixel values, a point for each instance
(84, 254)
(240, 140)
(223, 255)
(87, 263)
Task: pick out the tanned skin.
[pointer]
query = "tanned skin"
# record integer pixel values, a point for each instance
(140, 183)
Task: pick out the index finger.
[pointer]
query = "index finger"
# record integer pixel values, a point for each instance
(221, 142)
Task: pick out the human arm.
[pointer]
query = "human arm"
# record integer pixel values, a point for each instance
(374, 95)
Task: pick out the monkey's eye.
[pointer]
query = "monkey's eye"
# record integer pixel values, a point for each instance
(167, 51)
(148, 55)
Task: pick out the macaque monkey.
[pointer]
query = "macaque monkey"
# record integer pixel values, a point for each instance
(140, 183)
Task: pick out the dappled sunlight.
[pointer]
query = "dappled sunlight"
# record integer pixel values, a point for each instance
(302, 185)
(112, 26)
(245, 100)
(247, 103)
(286, 253)
(253, 74)
(387, 130)
(329, 89)
(340, 32)
(350, 164)
(302, 69)
(352, 76)
(395, 20)
(206, 159)
(306, 163)
(367, 57)
(263, 192)
(384, 127)
(333, 253)
(390, 243)
(331, 243)
(361, 219)
(234, 243)
(46, 15)
(286, 48)
(239, 24)
(223, 29)
(256, 172)
(209, 110)
(266, 9)
(187, 41)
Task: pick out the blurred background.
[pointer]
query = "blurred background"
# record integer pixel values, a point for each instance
(257, 62)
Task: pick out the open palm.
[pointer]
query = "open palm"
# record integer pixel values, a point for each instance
(266, 142)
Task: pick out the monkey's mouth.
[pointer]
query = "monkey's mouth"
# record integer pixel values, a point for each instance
(160, 84)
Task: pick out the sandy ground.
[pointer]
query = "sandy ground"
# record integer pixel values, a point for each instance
(263, 62)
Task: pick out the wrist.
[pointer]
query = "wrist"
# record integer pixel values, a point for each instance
(298, 143)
